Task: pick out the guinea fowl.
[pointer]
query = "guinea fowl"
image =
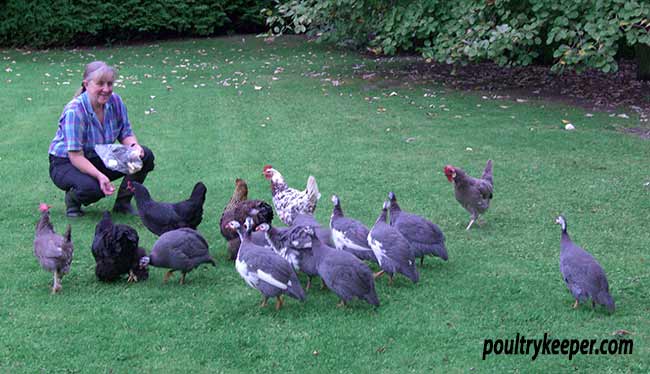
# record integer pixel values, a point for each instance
(288, 201)
(582, 274)
(474, 194)
(161, 217)
(393, 252)
(182, 249)
(238, 208)
(425, 237)
(53, 251)
(349, 234)
(343, 272)
(116, 251)
(265, 270)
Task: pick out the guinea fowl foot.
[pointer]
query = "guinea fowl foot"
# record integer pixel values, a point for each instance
(132, 277)
(182, 281)
(341, 304)
(278, 302)
(264, 302)
(167, 275)
(378, 274)
(323, 286)
(575, 305)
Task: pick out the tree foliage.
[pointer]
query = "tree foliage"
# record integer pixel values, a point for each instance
(47, 23)
(576, 34)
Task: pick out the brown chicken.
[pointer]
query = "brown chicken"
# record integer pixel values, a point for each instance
(238, 208)
(53, 251)
(474, 194)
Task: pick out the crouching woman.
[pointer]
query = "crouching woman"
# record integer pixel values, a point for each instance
(95, 115)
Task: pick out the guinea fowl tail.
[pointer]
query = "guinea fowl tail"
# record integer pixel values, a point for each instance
(487, 172)
(295, 289)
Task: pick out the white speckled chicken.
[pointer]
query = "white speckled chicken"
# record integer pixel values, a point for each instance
(53, 251)
(288, 201)
(474, 194)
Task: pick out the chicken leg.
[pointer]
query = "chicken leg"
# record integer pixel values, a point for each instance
(575, 305)
(167, 275)
(132, 277)
(278, 302)
(378, 274)
(341, 304)
(182, 281)
(56, 283)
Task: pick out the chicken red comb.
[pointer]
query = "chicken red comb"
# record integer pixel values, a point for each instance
(42, 207)
(267, 167)
(449, 170)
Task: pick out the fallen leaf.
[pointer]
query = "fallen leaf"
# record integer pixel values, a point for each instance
(569, 126)
(565, 121)
(257, 88)
(381, 109)
(410, 140)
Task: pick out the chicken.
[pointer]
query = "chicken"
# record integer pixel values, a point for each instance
(161, 217)
(53, 251)
(583, 275)
(265, 270)
(116, 251)
(288, 201)
(183, 249)
(238, 208)
(472, 193)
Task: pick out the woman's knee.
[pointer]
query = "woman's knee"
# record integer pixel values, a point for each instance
(88, 191)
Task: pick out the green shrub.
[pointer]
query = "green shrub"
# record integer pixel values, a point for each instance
(45, 23)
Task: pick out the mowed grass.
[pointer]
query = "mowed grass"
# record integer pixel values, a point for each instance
(222, 109)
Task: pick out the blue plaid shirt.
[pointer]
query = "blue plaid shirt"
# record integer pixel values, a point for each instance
(79, 128)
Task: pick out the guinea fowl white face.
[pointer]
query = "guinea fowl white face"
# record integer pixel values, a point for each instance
(264, 227)
(335, 200)
(233, 225)
(561, 221)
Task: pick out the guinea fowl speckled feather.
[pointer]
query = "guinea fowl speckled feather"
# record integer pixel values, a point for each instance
(349, 234)
(265, 270)
(425, 237)
(116, 251)
(288, 201)
(582, 274)
(474, 194)
(53, 251)
(160, 217)
(182, 249)
(343, 273)
(238, 208)
(393, 252)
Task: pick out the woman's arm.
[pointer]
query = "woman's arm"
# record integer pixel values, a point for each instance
(78, 160)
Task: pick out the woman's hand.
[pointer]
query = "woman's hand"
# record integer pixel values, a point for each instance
(136, 146)
(105, 184)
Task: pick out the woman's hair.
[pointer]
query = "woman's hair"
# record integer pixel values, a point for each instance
(95, 69)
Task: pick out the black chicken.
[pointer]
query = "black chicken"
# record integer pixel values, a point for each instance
(161, 217)
(116, 252)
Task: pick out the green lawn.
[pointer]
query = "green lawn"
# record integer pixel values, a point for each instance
(223, 108)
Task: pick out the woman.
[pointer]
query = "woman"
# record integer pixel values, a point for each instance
(94, 116)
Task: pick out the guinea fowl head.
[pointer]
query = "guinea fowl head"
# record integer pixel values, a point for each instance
(450, 172)
(264, 227)
(392, 197)
(560, 220)
(335, 200)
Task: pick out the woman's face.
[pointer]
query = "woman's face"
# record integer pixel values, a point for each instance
(100, 89)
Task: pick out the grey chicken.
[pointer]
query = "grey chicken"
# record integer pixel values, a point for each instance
(53, 251)
(582, 274)
(425, 237)
(474, 194)
(182, 249)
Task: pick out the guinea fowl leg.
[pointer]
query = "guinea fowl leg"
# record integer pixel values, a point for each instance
(264, 302)
(575, 305)
(132, 277)
(182, 281)
(278, 302)
(340, 304)
(378, 274)
(167, 275)
(308, 286)
(421, 260)
(390, 280)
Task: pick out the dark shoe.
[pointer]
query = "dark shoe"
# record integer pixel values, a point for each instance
(72, 205)
(124, 208)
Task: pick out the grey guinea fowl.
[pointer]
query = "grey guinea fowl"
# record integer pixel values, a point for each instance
(425, 237)
(53, 251)
(343, 273)
(182, 249)
(582, 274)
(293, 245)
(349, 234)
(393, 252)
(265, 270)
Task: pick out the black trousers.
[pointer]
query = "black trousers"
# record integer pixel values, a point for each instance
(66, 176)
